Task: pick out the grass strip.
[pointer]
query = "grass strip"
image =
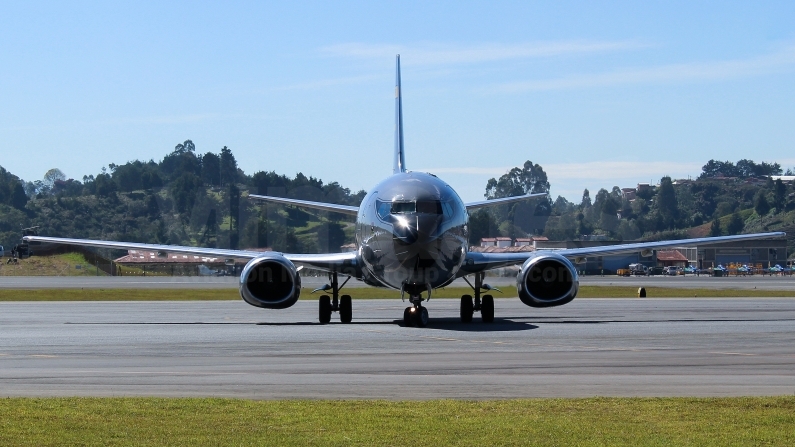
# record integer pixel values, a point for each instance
(675, 292)
(537, 422)
(359, 293)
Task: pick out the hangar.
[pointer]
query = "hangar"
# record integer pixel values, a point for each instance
(767, 252)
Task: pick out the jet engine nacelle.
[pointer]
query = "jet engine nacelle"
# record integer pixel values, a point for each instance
(546, 280)
(270, 281)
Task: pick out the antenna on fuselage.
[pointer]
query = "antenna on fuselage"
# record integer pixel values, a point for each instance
(400, 160)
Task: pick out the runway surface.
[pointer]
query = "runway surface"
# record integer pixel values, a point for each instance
(208, 282)
(605, 347)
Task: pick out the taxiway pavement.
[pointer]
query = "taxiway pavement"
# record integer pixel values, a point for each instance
(209, 282)
(590, 347)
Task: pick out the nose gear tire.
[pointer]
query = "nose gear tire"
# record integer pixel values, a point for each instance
(420, 317)
(407, 320)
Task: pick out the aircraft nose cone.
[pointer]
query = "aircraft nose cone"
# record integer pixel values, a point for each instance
(419, 229)
(406, 234)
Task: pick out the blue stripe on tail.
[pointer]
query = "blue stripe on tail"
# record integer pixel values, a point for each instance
(400, 160)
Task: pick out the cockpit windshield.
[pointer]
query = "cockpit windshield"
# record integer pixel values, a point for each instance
(384, 209)
(429, 207)
(420, 206)
(404, 207)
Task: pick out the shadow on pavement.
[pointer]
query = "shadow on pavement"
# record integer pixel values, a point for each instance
(455, 324)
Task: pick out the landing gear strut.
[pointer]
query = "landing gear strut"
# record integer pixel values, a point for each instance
(335, 302)
(485, 304)
(417, 314)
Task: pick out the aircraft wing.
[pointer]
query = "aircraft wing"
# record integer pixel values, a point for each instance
(344, 209)
(471, 206)
(338, 262)
(478, 262)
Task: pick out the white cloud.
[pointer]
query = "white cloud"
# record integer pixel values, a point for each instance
(478, 170)
(776, 62)
(617, 170)
(596, 170)
(439, 54)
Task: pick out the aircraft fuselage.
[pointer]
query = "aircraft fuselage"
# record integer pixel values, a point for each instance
(411, 232)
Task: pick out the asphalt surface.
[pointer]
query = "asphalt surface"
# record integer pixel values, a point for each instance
(208, 282)
(590, 347)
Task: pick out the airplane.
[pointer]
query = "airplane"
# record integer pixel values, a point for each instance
(412, 236)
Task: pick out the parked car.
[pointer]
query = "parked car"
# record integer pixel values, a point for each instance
(671, 270)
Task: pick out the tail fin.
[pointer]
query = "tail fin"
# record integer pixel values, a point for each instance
(400, 161)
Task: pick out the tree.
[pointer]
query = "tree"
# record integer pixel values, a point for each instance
(183, 160)
(761, 205)
(744, 169)
(586, 199)
(715, 168)
(104, 185)
(18, 197)
(605, 210)
(228, 166)
(330, 237)
(211, 169)
(187, 146)
(715, 230)
(779, 195)
(666, 203)
(234, 216)
(735, 225)
(530, 179)
(481, 224)
(50, 177)
(184, 190)
(562, 206)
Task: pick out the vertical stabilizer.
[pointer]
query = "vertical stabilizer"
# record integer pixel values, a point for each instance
(400, 161)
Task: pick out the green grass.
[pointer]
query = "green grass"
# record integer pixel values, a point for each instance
(117, 294)
(534, 422)
(674, 292)
(357, 293)
(54, 265)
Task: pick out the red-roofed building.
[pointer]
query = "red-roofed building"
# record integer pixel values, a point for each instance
(668, 258)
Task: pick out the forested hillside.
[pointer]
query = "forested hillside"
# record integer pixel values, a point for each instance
(725, 199)
(186, 198)
(189, 198)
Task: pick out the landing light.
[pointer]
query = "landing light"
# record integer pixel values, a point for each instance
(402, 221)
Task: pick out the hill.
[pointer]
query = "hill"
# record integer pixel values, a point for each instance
(188, 198)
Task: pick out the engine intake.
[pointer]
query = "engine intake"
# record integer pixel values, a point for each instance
(547, 280)
(270, 281)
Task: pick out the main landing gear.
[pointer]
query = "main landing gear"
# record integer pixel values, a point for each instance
(335, 302)
(416, 314)
(485, 304)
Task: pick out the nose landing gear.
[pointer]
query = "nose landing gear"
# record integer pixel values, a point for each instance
(417, 314)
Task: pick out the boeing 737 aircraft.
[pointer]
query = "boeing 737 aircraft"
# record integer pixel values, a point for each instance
(412, 236)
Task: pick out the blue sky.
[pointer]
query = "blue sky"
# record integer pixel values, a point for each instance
(599, 93)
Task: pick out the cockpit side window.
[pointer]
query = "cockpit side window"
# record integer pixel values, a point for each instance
(448, 208)
(383, 209)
